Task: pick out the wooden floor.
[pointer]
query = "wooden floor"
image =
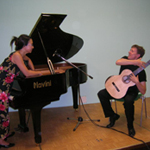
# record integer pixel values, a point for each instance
(58, 134)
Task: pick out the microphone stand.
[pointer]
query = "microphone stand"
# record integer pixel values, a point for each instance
(73, 65)
(80, 119)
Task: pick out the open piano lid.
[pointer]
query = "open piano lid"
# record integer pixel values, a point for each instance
(53, 39)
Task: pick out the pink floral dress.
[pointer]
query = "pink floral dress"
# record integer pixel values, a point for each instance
(8, 71)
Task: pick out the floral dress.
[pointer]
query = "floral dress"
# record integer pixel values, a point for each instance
(8, 71)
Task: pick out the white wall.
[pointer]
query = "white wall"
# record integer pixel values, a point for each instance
(108, 28)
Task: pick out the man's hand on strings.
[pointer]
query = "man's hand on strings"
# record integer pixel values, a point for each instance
(134, 79)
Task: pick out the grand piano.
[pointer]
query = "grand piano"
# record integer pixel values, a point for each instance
(34, 93)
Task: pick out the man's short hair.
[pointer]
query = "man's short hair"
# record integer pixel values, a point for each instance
(140, 50)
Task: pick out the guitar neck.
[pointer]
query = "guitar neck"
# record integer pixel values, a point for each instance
(138, 70)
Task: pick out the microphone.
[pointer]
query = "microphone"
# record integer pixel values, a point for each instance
(57, 51)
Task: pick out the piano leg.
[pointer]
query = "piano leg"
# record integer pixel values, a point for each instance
(36, 117)
(75, 92)
(22, 118)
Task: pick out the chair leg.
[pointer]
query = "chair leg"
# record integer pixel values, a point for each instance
(145, 107)
(141, 113)
(115, 105)
(143, 102)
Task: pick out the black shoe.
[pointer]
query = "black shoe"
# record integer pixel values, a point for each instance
(112, 120)
(131, 132)
(21, 128)
(10, 135)
(7, 146)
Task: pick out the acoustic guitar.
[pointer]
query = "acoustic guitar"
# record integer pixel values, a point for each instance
(118, 85)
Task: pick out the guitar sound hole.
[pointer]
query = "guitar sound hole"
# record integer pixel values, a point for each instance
(126, 79)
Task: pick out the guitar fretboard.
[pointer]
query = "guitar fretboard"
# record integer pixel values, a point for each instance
(138, 70)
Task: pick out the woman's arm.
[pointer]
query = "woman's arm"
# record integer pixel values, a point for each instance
(30, 63)
(18, 60)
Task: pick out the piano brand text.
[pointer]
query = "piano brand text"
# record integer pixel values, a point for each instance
(37, 85)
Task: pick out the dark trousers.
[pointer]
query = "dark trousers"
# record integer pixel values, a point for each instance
(105, 97)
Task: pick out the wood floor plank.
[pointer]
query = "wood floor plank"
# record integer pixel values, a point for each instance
(58, 134)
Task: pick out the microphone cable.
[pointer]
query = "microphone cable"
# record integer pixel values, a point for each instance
(110, 128)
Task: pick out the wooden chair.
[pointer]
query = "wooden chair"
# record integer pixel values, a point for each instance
(140, 96)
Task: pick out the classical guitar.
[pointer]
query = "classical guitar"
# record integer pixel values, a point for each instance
(118, 85)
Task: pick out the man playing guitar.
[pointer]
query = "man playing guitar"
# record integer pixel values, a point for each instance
(131, 62)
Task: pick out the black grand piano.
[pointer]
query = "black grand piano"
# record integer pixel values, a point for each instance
(36, 92)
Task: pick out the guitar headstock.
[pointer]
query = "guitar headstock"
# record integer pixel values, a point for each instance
(148, 62)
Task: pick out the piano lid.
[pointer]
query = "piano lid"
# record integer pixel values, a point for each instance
(53, 38)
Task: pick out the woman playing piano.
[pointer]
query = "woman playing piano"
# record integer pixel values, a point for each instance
(9, 69)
